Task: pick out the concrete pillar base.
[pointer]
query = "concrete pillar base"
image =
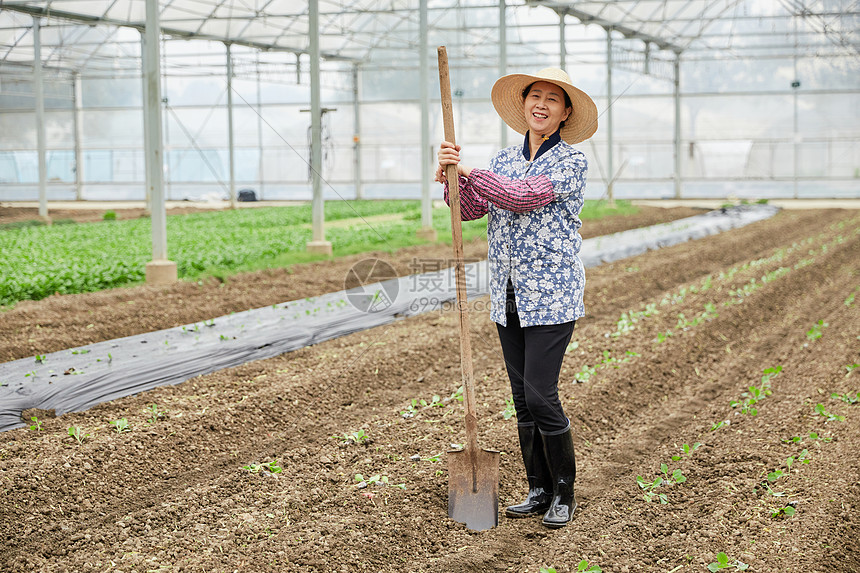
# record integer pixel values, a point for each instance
(426, 233)
(161, 272)
(319, 247)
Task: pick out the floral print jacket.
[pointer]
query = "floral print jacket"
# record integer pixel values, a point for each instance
(532, 230)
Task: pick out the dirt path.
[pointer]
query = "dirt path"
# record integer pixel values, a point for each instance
(710, 317)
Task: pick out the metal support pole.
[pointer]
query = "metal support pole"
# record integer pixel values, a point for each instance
(318, 244)
(230, 142)
(562, 33)
(795, 85)
(146, 145)
(677, 140)
(78, 122)
(426, 231)
(159, 270)
(260, 161)
(610, 171)
(40, 117)
(356, 138)
(503, 60)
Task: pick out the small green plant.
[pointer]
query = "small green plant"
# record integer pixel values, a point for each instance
(81, 351)
(757, 393)
(723, 563)
(78, 434)
(676, 477)
(663, 337)
(585, 373)
(121, 425)
(819, 409)
(718, 425)
(786, 511)
(588, 568)
(648, 493)
(357, 437)
(37, 425)
(849, 368)
(815, 332)
(509, 411)
(687, 450)
(155, 414)
(40, 358)
(109, 216)
(847, 397)
(271, 467)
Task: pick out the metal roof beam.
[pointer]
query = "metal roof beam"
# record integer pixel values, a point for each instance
(95, 20)
(587, 18)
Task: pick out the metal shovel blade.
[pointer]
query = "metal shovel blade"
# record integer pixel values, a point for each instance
(473, 488)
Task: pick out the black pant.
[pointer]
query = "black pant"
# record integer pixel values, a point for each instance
(533, 357)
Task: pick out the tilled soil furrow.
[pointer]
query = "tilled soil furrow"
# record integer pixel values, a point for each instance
(631, 415)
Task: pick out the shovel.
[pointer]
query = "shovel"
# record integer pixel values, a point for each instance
(473, 473)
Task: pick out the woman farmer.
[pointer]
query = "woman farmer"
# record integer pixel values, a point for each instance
(533, 194)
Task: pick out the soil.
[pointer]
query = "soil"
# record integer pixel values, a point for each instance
(671, 339)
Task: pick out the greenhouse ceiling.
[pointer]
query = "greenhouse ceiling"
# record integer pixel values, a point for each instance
(85, 34)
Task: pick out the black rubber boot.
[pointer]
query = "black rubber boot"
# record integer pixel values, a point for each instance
(540, 483)
(562, 464)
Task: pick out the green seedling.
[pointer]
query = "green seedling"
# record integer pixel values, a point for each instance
(787, 511)
(509, 411)
(37, 425)
(548, 570)
(648, 488)
(271, 467)
(816, 331)
(723, 563)
(687, 450)
(584, 374)
(588, 568)
(849, 368)
(718, 425)
(663, 337)
(357, 437)
(847, 397)
(40, 358)
(78, 434)
(819, 409)
(121, 425)
(210, 322)
(571, 347)
(628, 320)
(155, 413)
(812, 436)
(81, 351)
(756, 393)
(676, 477)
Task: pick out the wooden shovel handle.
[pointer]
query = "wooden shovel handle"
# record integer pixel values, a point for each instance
(459, 269)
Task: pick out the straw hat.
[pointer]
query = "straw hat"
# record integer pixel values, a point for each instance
(507, 96)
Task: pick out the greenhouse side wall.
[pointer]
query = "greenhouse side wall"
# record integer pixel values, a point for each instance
(738, 137)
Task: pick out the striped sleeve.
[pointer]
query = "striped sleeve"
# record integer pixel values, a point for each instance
(517, 195)
(472, 206)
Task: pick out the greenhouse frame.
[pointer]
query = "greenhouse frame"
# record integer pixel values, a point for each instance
(198, 99)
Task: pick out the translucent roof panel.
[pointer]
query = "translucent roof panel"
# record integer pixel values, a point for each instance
(387, 32)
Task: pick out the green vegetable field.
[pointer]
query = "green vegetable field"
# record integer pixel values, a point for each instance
(39, 260)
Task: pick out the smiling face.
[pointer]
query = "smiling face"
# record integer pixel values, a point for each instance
(544, 108)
